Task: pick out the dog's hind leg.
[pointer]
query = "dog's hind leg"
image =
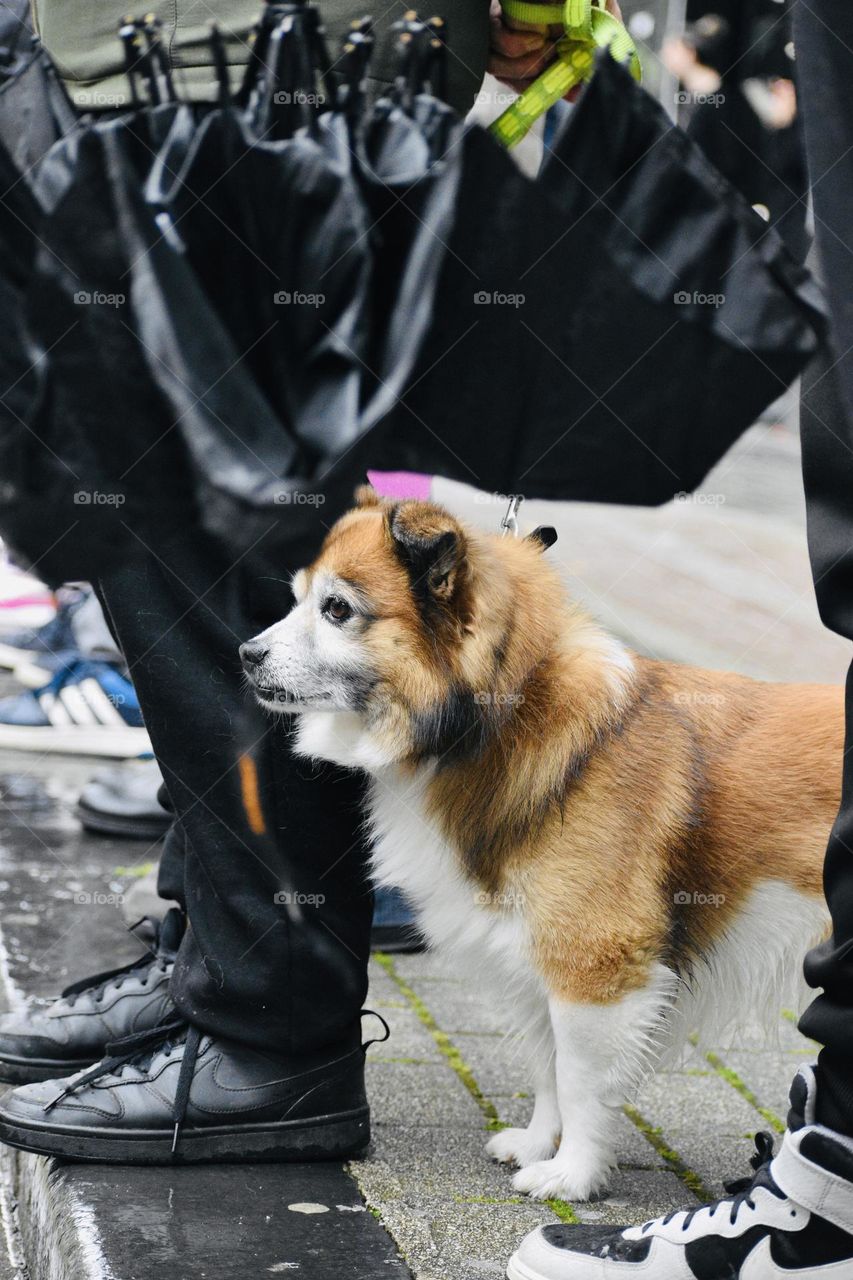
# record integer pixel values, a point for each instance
(539, 1140)
(602, 1051)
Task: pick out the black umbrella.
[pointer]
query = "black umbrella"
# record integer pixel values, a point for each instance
(605, 332)
(565, 337)
(169, 400)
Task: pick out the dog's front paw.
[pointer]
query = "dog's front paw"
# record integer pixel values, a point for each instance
(564, 1178)
(520, 1146)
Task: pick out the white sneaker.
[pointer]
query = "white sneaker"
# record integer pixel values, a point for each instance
(793, 1219)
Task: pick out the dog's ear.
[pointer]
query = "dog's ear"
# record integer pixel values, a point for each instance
(430, 544)
(545, 535)
(366, 496)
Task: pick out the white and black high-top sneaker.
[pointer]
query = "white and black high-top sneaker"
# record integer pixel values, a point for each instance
(793, 1220)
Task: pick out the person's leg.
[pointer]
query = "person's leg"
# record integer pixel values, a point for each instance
(274, 876)
(824, 41)
(827, 434)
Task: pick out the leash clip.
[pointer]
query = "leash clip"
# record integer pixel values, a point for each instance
(509, 524)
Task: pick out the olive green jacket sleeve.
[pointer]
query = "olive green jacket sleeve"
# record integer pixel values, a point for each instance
(81, 37)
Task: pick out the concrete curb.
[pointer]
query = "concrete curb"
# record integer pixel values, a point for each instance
(59, 1235)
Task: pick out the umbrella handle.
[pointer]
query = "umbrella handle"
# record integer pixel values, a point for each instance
(588, 27)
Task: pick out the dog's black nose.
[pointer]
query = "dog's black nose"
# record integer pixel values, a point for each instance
(252, 654)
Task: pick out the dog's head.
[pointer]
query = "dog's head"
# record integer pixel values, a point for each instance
(396, 629)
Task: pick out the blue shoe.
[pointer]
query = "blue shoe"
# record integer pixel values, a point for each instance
(88, 708)
(54, 638)
(394, 928)
(36, 670)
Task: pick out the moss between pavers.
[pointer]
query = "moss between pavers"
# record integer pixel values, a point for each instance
(443, 1043)
(457, 1063)
(137, 871)
(653, 1134)
(740, 1086)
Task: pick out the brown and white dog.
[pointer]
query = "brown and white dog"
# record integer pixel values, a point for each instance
(621, 849)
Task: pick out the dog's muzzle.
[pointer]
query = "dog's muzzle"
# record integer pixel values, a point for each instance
(269, 692)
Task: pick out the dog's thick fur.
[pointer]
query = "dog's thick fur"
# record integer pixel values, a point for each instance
(623, 848)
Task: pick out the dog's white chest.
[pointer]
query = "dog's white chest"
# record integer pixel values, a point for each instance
(456, 916)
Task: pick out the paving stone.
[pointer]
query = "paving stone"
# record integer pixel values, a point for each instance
(409, 1038)
(438, 1163)
(636, 1195)
(456, 1008)
(498, 1062)
(420, 1094)
(767, 1075)
(698, 1105)
(460, 1242)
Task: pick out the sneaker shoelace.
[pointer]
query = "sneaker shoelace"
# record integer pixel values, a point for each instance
(139, 1050)
(739, 1190)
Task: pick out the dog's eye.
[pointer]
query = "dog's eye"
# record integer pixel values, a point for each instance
(336, 609)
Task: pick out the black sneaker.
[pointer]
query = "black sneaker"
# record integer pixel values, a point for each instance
(44, 1041)
(177, 1095)
(793, 1218)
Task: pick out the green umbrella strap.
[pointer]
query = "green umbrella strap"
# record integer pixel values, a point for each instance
(588, 27)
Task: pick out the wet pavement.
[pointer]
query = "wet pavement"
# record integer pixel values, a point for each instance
(62, 893)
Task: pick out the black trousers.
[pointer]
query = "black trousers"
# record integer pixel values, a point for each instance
(266, 852)
(824, 43)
